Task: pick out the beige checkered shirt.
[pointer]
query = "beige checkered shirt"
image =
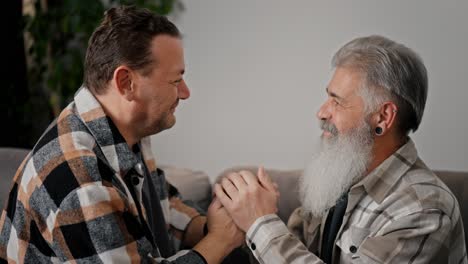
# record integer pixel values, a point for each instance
(400, 213)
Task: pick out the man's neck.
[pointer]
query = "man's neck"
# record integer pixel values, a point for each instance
(119, 117)
(384, 148)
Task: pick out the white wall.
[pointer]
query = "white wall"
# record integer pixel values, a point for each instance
(258, 71)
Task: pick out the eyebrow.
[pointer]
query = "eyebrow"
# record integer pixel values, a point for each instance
(334, 95)
(181, 72)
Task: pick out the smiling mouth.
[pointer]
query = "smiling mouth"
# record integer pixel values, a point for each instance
(326, 133)
(174, 106)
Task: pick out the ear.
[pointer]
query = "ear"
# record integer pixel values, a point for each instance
(386, 117)
(124, 81)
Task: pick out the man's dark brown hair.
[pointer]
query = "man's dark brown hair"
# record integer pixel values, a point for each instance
(123, 38)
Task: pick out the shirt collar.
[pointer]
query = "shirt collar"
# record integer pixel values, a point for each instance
(112, 144)
(381, 180)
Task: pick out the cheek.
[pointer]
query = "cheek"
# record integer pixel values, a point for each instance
(346, 122)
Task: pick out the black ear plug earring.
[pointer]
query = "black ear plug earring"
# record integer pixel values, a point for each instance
(378, 131)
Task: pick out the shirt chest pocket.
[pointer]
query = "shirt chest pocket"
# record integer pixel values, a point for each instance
(350, 241)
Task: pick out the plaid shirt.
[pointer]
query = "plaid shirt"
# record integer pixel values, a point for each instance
(400, 213)
(69, 200)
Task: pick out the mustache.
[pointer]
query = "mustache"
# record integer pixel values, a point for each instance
(329, 127)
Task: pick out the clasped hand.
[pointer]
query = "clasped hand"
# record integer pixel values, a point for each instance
(247, 197)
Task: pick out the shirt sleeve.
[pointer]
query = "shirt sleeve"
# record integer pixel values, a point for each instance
(180, 214)
(271, 242)
(420, 238)
(95, 223)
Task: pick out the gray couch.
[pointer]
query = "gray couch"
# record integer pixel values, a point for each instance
(196, 186)
(10, 159)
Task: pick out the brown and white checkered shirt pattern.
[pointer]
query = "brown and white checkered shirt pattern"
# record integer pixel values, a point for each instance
(400, 213)
(69, 201)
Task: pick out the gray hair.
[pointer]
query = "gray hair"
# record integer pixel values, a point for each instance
(391, 72)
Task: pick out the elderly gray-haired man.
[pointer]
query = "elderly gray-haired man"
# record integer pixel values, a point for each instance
(366, 196)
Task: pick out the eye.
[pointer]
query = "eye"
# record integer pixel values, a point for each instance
(176, 83)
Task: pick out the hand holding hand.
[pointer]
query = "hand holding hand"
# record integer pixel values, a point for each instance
(223, 234)
(247, 198)
(220, 223)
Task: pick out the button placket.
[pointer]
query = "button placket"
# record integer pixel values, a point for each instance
(252, 244)
(137, 181)
(140, 169)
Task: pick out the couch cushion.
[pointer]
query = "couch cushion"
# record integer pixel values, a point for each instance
(192, 185)
(10, 159)
(458, 184)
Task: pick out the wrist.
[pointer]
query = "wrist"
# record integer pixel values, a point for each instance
(194, 231)
(194, 221)
(222, 244)
(213, 247)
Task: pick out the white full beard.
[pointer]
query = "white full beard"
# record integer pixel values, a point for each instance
(340, 162)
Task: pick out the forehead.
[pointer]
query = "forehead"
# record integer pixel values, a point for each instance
(345, 82)
(168, 52)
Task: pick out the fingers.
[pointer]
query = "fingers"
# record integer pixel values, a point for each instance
(276, 189)
(238, 181)
(265, 179)
(229, 187)
(216, 204)
(275, 185)
(249, 178)
(222, 196)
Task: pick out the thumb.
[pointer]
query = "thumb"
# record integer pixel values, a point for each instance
(216, 204)
(265, 179)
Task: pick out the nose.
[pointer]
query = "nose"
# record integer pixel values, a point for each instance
(183, 90)
(324, 112)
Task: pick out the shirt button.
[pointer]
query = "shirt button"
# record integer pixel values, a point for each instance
(135, 180)
(139, 168)
(352, 249)
(252, 246)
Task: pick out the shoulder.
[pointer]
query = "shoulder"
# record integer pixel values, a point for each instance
(67, 133)
(420, 190)
(63, 160)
